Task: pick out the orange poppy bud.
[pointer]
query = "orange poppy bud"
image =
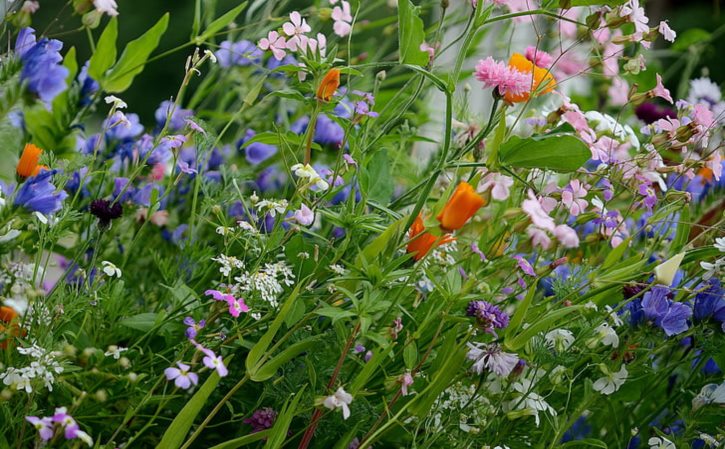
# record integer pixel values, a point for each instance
(706, 173)
(461, 206)
(541, 78)
(28, 160)
(329, 85)
(40, 168)
(8, 316)
(421, 241)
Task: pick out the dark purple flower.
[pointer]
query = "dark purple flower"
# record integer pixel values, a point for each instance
(650, 112)
(42, 65)
(193, 327)
(38, 194)
(105, 211)
(261, 419)
(488, 316)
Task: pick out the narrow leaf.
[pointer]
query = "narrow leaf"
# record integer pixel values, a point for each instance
(221, 22)
(105, 55)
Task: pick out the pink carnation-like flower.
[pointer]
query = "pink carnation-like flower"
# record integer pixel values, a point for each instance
(497, 74)
(539, 57)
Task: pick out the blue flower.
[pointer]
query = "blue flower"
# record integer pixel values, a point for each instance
(38, 194)
(178, 118)
(257, 152)
(89, 86)
(669, 315)
(710, 301)
(242, 53)
(42, 69)
(271, 179)
(578, 431)
(122, 126)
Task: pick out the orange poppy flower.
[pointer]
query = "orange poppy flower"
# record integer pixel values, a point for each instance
(541, 79)
(421, 241)
(8, 316)
(461, 206)
(329, 85)
(28, 163)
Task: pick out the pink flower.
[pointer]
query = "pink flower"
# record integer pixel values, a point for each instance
(532, 207)
(304, 215)
(567, 236)
(636, 15)
(237, 306)
(219, 296)
(497, 74)
(295, 29)
(610, 58)
(212, 361)
(667, 33)
(618, 92)
(343, 19)
(274, 43)
(349, 160)
(182, 377)
(525, 266)
(499, 185)
(540, 58)
(539, 237)
(405, 380)
(660, 90)
(714, 163)
(702, 116)
(572, 197)
(428, 49)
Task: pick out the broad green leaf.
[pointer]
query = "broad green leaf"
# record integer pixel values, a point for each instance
(134, 57)
(381, 242)
(219, 24)
(176, 432)
(410, 355)
(279, 432)
(258, 354)
(441, 380)
(683, 231)
(105, 55)
(269, 369)
(380, 179)
(11, 143)
(335, 313)
(411, 35)
(143, 322)
(561, 152)
(690, 37)
(615, 255)
(243, 441)
(253, 93)
(540, 325)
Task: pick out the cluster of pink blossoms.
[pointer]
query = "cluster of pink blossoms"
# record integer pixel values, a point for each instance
(497, 74)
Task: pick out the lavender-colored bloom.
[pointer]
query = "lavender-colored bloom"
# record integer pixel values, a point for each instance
(43, 425)
(42, 69)
(122, 126)
(525, 266)
(121, 193)
(193, 327)
(271, 179)
(488, 316)
(182, 376)
(92, 144)
(710, 301)
(213, 361)
(650, 198)
(675, 320)
(261, 419)
(38, 194)
(89, 86)
(328, 131)
(257, 152)
(273, 63)
(177, 121)
(655, 303)
(142, 196)
(491, 358)
(74, 183)
(242, 53)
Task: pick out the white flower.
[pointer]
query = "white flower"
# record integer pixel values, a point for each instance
(116, 102)
(703, 90)
(210, 54)
(712, 269)
(341, 399)
(309, 173)
(228, 263)
(224, 230)
(660, 443)
(106, 6)
(611, 381)
(529, 401)
(720, 244)
(665, 272)
(613, 316)
(559, 339)
(667, 32)
(114, 351)
(272, 207)
(30, 7)
(490, 357)
(41, 218)
(338, 269)
(709, 394)
(110, 269)
(709, 440)
(604, 334)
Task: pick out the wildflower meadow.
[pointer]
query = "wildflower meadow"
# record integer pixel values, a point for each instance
(353, 224)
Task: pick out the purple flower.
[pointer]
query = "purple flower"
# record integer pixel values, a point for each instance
(242, 53)
(271, 179)
(184, 167)
(178, 115)
(257, 152)
(213, 361)
(650, 198)
(219, 296)
(261, 419)
(477, 251)
(675, 320)
(105, 211)
(304, 215)
(182, 377)
(710, 301)
(491, 358)
(42, 65)
(120, 192)
(488, 316)
(525, 266)
(122, 126)
(89, 86)
(38, 194)
(405, 380)
(44, 426)
(670, 316)
(194, 327)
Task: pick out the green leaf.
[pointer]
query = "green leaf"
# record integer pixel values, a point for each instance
(586, 442)
(243, 441)
(540, 325)
(518, 317)
(105, 55)
(11, 140)
(335, 313)
(253, 93)
(134, 57)
(279, 432)
(221, 22)
(370, 367)
(380, 180)
(269, 369)
(690, 37)
(410, 355)
(143, 322)
(683, 231)
(176, 433)
(561, 152)
(566, 4)
(615, 255)
(410, 35)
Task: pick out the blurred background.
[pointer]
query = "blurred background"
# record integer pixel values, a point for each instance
(699, 48)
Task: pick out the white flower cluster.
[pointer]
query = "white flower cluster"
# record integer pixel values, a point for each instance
(17, 283)
(458, 400)
(228, 263)
(44, 367)
(268, 281)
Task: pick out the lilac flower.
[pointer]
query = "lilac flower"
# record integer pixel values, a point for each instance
(89, 86)
(213, 361)
(477, 251)
(655, 303)
(242, 53)
(675, 320)
(122, 126)
(71, 428)
(488, 316)
(261, 419)
(525, 266)
(42, 65)
(396, 328)
(184, 167)
(304, 215)
(362, 108)
(193, 327)
(219, 296)
(349, 160)
(257, 152)
(38, 194)
(44, 426)
(491, 358)
(670, 316)
(341, 399)
(237, 306)
(182, 377)
(650, 198)
(573, 197)
(405, 380)
(177, 119)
